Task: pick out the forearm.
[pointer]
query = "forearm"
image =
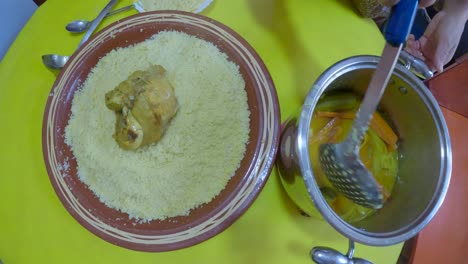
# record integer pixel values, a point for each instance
(457, 8)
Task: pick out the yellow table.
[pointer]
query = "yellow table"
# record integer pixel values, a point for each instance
(297, 41)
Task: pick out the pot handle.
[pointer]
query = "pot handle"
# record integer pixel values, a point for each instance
(325, 255)
(417, 66)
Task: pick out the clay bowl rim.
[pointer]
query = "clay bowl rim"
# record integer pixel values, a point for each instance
(243, 187)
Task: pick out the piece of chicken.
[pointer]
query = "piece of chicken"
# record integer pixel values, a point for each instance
(144, 104)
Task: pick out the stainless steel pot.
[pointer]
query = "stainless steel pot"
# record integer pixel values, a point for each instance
(424, 147)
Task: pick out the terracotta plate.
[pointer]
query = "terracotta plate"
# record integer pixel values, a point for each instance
(207, 220)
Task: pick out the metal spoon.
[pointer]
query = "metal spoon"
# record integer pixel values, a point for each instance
(79, 26)
(55, 61)
(340, 162)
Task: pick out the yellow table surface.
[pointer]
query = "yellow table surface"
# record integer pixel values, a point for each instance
(297, 40)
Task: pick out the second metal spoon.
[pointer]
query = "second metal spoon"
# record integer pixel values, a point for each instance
(56, 61)
(79, 26)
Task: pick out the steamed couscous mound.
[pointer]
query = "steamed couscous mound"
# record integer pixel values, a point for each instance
(201, 148)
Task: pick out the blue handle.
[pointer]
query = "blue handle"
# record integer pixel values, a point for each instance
(400, 22)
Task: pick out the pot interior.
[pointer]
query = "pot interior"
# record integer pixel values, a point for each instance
(423, 151)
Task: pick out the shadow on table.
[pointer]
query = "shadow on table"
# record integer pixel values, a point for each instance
(261, 232)
(54, 72)
(273, 15)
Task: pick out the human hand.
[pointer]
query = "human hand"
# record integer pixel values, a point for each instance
(440, 40)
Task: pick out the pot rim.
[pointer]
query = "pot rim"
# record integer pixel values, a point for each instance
(346, 229)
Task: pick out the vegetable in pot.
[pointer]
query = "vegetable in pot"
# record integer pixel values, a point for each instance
(378, 151)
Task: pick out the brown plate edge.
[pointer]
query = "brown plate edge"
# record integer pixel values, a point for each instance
(236, 214)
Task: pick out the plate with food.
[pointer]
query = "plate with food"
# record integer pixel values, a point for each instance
(161, 130)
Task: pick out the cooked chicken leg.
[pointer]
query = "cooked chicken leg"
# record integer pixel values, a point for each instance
(144, 104)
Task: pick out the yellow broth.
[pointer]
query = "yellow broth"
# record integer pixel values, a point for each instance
(377, 156)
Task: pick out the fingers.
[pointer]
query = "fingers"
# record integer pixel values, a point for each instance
(413, 47)
(428, 48)
(412, 43)
(429, 44)
(441, 39)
